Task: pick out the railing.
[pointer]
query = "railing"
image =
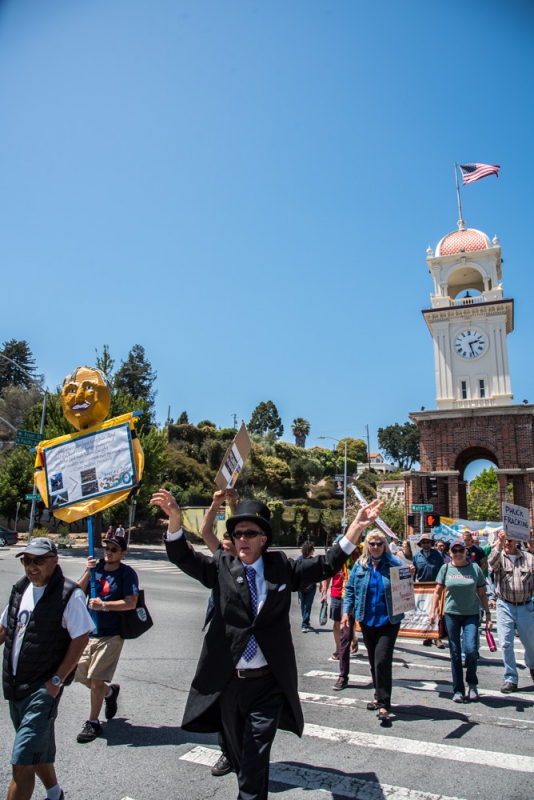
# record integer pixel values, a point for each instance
(469, 301)
(477, 402)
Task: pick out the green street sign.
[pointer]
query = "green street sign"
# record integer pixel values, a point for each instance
(33, 497)
(422, 507)
(27, 437)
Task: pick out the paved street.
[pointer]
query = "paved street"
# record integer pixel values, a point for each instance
(434, 749)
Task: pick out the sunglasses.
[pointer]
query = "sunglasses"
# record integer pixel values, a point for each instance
(376, 544)
(458, 550)
(247, 534)
(38, 561)
(112, 549)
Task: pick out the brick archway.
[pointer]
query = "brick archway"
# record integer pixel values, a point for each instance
(474, 452)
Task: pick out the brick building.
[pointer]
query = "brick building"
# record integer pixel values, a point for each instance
(470, 320)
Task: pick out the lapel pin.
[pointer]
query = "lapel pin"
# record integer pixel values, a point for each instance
(240, 579)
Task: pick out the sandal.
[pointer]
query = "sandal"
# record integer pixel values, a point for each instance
(334, 657)
(354, 649)
(372, 706)
(384, 716)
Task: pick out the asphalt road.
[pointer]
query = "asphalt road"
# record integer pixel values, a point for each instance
(434, 748)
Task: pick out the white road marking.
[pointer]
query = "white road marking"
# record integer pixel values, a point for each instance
(413, 747)
(332, 783)
(422, 686)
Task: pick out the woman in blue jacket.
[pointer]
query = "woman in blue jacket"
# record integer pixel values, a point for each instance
(368, 599)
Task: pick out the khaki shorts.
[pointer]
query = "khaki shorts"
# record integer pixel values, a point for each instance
(100, 658)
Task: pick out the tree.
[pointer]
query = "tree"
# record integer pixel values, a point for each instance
(20, 353)
(183, 419)
(15, 403)
(105, 363)
(393, 515)
(483, 497)
(16, 480)
(265, 417)
(400, 443)
(356, 449)
(206, 423)
(300, 429)
(135, 376)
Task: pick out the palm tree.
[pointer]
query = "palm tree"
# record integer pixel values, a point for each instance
(300, 429)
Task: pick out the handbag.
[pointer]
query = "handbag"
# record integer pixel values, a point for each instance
(323, 612)
(136, 621)
(491, 641)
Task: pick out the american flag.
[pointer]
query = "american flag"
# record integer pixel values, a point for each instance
(474, 172)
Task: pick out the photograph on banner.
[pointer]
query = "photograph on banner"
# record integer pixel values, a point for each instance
(516, 522)
(415, 622)
(234, 459)
(89, 466)
(339, 484)
(378, 522)
(402, 593)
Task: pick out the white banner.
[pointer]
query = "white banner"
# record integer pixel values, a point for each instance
(90, 466)
(402, 593)
(516, 522)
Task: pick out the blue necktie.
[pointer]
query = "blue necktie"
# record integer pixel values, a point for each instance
(252, 646)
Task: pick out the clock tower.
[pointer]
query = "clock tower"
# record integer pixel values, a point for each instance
(469, 321)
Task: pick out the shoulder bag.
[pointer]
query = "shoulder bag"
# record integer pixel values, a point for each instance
(442, 628)
(137, 621)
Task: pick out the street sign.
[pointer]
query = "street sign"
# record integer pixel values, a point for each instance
(422, 507)
(33, 497)
(27, 437)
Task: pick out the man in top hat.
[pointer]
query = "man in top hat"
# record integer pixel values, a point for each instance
(246, 679)
(45, 627)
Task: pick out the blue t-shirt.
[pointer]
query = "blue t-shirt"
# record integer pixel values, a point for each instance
(113, 584)
(376, 610)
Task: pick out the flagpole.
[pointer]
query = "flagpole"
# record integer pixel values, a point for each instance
(461, 223)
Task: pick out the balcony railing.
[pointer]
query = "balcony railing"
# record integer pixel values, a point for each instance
(477, 402)
(469, 301)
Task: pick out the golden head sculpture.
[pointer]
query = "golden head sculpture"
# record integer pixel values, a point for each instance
(86, 397)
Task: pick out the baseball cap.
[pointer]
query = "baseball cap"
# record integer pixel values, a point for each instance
(39, 547)
(457, 543)
(120, 541)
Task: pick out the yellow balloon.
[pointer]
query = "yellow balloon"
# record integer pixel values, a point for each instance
(86, 397)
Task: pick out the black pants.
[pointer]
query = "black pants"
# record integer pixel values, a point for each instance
(251, 710)
(380, 643)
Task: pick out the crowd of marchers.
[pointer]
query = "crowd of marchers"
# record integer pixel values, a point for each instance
(245, 688)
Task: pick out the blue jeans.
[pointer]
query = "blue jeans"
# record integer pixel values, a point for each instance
(306, 602)
(468, 624)
(510, 617)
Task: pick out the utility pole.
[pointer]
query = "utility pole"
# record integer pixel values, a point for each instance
(368, 449)
(235, 420)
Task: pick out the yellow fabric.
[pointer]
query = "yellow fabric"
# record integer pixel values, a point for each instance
(87, 507)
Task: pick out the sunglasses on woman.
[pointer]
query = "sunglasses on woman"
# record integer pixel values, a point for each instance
(458, 550)
(376, 544)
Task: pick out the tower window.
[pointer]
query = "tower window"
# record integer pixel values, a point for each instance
(482, 387)
(463, 389)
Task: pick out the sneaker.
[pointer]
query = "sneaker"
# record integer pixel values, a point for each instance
(340, 684)
(472, 694)
(457, 697)
(304, 630)
(89, 732)
(61, 796)
(508, 687)
(110, 703)
(439, 644)
(221, 767)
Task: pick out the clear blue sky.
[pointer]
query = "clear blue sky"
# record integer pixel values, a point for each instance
(248, 189)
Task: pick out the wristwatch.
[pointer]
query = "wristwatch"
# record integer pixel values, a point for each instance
(56, 681)
(104, 605)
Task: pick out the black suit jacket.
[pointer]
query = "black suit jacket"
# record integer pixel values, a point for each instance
(233, 624)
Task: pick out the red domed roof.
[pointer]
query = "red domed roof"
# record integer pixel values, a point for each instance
(463, 241)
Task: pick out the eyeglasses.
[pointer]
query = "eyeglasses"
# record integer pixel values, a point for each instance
(458, 550)
(376, 544)
(247, 534)
(112, 550)
(38, 561)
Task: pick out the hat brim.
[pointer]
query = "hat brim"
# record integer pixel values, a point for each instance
(231, 522)
(30, 551)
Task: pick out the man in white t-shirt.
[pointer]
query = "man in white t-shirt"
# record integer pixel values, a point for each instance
(45, 628)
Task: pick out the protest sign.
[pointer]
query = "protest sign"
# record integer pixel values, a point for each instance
(378, 522)
(451, 528)
(414, 539)
(516, 522)
(402, 594)
(415, 622)
(233, 460)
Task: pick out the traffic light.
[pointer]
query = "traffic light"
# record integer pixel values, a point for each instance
(431, 487)
(433, 520)
(411, 520)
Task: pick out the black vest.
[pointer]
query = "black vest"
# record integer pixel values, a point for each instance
(45, 642)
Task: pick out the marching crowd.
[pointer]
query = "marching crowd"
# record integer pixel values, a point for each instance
(245, 686)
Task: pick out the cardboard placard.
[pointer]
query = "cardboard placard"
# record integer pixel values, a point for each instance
(379, 523)
(516, 522)
(402, 594)
(234, 459)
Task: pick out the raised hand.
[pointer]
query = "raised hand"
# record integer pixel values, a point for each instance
(168, 504)
(368, 514)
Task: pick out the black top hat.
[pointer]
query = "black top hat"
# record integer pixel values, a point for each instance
(252, 511)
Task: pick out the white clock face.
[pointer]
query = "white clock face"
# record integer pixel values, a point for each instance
(470, 344)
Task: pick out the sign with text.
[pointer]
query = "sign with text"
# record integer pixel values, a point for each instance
(90, 466)
(422, 507)
(339, 483)
(402, 594)
(234, 459)
(415, 622)
(28, 437)
(516, 522)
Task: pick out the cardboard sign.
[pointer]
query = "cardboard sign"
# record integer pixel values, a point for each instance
(234, 459)
(516, 522)
(89, 466)
(414, 539)
(378, 522)
(402, 593)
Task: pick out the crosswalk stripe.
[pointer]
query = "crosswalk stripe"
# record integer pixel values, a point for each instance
(423, 686)
(338, 785)
(413, 747)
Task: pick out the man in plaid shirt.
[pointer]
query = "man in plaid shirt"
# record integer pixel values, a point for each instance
(512, 569)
